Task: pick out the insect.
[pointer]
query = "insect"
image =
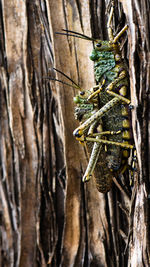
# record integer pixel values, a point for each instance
(103, 111)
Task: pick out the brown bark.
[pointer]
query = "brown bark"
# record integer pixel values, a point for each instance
(48, 217)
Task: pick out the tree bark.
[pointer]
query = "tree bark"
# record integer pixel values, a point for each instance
(48, 217)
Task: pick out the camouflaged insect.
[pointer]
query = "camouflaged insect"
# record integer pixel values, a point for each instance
(103, 112)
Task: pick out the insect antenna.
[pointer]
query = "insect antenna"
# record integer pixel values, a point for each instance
(74, 85)
(75, 34)
(77, 86)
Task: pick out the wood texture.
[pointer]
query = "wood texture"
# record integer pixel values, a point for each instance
(48, 217)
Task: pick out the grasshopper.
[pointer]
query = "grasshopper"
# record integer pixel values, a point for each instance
(103, 111)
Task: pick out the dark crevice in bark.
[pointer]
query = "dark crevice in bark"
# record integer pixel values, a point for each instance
(78, 3)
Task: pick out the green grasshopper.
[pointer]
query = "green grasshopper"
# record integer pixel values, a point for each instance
(103, 111)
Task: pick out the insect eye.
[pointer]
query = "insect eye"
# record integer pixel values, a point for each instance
(98, 45)
(82, 93)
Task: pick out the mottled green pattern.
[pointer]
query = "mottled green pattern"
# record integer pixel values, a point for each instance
(105, 61)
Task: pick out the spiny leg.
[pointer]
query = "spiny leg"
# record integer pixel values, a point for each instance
(78, 132)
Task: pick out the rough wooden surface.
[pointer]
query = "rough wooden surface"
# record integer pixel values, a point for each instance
(47, 216)
(139, 59)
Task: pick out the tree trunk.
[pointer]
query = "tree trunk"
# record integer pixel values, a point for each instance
(48, 217)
